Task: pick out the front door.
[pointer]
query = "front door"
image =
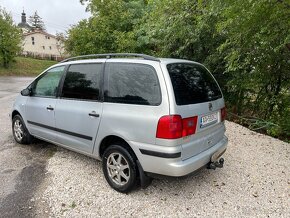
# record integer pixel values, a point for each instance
(78, 111)
(40, 106)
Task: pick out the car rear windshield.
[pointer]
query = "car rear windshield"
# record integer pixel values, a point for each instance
(192, 84)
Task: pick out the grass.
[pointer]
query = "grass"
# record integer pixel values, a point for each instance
(73, 205)
(51, 151)
(26, 67)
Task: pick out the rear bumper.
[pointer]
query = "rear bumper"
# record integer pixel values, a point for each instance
(176, 166)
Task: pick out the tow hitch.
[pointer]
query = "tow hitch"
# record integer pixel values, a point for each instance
(216, 164)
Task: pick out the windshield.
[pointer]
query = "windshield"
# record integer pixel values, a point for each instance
(192, 83)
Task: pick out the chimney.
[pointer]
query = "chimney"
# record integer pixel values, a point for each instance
(23, 17)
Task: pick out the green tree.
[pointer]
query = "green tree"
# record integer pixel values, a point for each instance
(110, 29)
(10, 38)
(257, 58)
(246, 44)
(183, 29)
(36, 22)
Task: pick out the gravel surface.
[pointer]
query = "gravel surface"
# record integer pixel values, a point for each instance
(22, 167)
(255, 182)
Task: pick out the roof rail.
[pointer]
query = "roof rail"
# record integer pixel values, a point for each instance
(110, 55)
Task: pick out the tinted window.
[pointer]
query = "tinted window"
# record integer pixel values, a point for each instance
(47, 84)
(82, 81)
(132, 84)
(192, 84)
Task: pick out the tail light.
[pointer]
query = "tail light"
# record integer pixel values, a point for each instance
(189, 126)
(169, 127)
(223, 114)
(174, 127)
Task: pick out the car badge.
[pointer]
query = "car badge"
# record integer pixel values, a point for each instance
(210, 106)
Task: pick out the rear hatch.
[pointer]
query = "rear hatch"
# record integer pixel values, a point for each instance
(198, 96)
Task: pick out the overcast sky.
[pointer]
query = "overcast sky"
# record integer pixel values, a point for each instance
(58, 15)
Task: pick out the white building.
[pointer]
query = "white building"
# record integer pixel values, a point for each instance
(39, 43)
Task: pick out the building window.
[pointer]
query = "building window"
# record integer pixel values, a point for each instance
(43, 47)
(48, 37)
(50, 47)
(32, 39)
(33, 42)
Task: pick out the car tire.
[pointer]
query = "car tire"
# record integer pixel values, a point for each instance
(20, 132)
(119, 168)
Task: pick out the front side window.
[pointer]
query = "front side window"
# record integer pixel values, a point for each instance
(192, 84)
(47, 85)
(132, 84)
(82, 82)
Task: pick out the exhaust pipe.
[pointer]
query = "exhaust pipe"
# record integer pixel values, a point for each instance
(216, 164)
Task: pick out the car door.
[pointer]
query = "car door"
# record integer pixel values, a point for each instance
(41, 104)
(78, 111)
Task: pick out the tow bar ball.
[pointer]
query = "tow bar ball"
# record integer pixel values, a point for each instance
(217, 164)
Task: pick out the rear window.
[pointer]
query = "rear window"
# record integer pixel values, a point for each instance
(192, 84)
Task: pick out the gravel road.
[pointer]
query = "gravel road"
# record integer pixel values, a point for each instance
(255, 182)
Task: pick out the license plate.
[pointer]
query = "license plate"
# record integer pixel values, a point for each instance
(208, 119)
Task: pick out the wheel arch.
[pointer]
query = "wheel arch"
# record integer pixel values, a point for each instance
(111, 139)
(14, 113)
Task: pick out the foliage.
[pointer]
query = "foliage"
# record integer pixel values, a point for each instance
(26, 67)
(257, 58)
(10, 39)
(61, 38)
(108, 30)
(186, 29)
(36, 22)
(245, 44)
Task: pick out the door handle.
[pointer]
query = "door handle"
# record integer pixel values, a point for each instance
(94, 114)
(50, 108)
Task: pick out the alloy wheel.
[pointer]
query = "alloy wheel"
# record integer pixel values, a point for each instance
(18, 130)
(118, 169)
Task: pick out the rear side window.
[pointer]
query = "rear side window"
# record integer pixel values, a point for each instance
(82, 82)
(192, 84)
(132, 84)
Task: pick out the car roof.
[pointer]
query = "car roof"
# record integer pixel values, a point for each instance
(164, 61)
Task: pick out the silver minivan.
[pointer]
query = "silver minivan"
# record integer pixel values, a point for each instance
(139, 114)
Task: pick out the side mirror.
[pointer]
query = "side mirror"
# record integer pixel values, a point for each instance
(26, 92)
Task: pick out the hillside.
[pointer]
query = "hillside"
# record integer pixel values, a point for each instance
(26, 67)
